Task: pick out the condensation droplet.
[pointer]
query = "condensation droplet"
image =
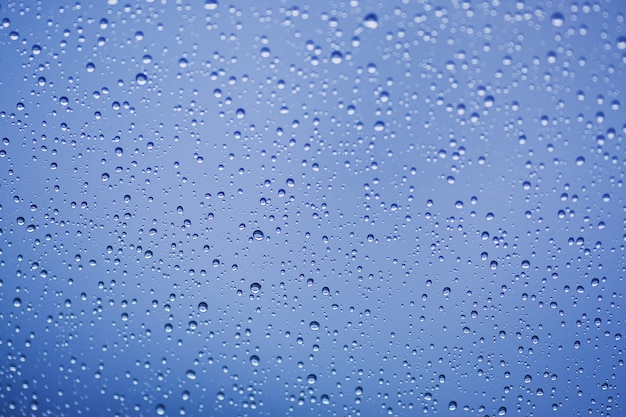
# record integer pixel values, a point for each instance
(141, 79)
(370, 21)
(557, 19)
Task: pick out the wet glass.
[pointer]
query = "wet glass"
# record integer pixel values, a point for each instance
(354, 208)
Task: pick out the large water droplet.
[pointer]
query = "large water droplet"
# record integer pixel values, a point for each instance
(141, 78)
(557, 19)
(370, 21)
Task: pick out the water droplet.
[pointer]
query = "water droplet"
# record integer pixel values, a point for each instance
(203, 307)
(258, 235)
(191, 374)
(255, 287)
(311, 379)
(370, 21)
(336, 57)
(210, 4)
(557, 19)
(314, 325)
(254, 360)
(141, 78)
(452, 405)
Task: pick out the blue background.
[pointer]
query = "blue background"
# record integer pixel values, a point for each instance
(350, 208)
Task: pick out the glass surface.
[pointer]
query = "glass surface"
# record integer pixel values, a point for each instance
(354, 208)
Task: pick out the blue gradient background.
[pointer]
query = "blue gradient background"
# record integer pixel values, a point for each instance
(440, 188)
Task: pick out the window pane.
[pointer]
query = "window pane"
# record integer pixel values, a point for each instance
(312, 208)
